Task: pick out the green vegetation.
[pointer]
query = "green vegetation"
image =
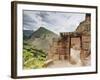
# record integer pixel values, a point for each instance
(32, 57)
(35, 47)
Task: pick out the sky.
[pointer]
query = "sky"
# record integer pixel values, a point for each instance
(53, 21)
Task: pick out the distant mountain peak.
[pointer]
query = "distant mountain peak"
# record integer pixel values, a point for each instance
(27, 34)
(42, 31)
(43, 28)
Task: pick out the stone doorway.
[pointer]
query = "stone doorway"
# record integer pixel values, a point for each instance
(75, 49)
(75, 42)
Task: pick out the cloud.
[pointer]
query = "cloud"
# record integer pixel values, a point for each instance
(54, 21)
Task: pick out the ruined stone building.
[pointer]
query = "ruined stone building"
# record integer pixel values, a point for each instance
(60, 47)
(85, 29)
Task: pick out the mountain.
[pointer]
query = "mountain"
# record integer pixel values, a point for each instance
(42, 38)
(42, 32)
(27, 34)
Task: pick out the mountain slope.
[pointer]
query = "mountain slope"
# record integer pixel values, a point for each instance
(42, 39)
(42, 32)
(27, 34)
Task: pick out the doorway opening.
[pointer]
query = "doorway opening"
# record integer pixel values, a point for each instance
(75, 50)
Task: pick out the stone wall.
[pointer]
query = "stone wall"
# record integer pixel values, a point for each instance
(60, 48)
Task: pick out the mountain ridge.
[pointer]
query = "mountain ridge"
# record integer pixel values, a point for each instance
(42, 38)
(41, 32)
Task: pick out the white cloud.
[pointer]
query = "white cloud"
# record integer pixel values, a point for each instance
(54, 21)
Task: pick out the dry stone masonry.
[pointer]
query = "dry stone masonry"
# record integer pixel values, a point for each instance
(61, 47)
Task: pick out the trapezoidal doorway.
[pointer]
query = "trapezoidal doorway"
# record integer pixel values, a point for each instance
(75, 50)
